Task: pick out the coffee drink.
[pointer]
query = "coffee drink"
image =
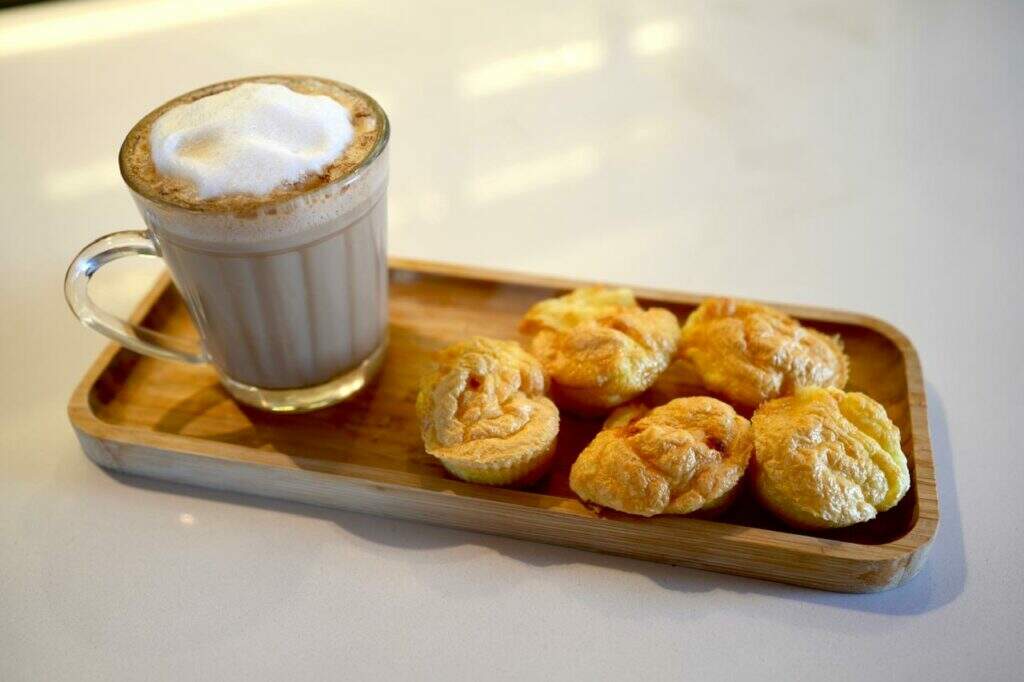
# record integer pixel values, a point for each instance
(266, 198)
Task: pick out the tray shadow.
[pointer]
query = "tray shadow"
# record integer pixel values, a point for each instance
(940, 582)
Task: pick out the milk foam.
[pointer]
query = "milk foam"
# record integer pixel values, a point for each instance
(250, 139)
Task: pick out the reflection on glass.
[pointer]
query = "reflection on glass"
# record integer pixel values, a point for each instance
(99, 21)
(186, 519)
(656, 37)
(523, 69)
(523, 177)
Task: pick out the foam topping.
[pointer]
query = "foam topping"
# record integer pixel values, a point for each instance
(251, 139)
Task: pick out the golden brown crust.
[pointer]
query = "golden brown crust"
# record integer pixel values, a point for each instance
(827, 459)
(749, 353)
(600, 348)
(683, 457)
(679, 380)
(140, 173)
(483, 413)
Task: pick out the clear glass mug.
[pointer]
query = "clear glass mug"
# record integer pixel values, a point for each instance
(290, 303)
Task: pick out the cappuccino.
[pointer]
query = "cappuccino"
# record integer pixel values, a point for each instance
(266, 197)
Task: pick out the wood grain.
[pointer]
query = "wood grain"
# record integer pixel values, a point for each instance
(175, 422)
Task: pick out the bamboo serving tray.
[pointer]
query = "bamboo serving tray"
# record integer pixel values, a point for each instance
(173, 421)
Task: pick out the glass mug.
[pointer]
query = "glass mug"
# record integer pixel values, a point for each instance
(293, 315)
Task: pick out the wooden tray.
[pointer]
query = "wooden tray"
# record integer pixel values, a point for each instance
(173, 421)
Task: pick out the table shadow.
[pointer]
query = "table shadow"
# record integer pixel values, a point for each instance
(940, 581)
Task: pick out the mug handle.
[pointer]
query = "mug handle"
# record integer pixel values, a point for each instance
(132, 336)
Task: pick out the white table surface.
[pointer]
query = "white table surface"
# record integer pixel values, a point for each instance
(866, 156)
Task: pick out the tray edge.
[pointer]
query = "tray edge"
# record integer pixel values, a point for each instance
(886, 566)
